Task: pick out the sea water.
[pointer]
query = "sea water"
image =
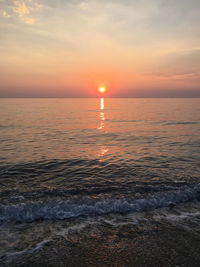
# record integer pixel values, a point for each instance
(70, 164)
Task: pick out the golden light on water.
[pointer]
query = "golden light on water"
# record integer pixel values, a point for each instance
(101, 114)
(103, 151)
(101, 103)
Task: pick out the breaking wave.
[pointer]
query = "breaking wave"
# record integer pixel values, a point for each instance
(59, 210)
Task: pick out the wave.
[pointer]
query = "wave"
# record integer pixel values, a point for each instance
(59, 210)
(181, 122)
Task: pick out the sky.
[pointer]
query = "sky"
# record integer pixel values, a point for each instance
(69, 48)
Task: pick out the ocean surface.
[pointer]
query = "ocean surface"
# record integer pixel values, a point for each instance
(70, 164)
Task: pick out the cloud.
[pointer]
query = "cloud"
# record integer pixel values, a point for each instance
(30, 21)
(182, 65)
(84, 5)
(21, 9)
(5, 14)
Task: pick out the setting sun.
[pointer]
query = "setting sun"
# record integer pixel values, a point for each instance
(102, 89)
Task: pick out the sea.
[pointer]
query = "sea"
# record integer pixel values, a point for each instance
(110, 171)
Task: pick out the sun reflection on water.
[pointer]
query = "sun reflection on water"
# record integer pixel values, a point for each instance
(101, 114)
(102, 103)
(103, 150)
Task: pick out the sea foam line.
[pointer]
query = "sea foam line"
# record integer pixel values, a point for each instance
(59, 210)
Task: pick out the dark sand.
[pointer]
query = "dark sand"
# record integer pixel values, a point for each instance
(156, 244)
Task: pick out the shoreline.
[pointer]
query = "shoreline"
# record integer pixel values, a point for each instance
(150, 240)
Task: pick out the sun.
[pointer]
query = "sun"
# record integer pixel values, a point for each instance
(102, 89)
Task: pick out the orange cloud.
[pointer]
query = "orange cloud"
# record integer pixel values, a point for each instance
(30, 21)
(21, 9)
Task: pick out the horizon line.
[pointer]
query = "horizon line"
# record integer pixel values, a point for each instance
(70, 97)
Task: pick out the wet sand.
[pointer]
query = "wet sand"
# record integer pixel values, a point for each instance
(150, 243)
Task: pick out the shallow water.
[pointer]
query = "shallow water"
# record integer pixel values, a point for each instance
(84, 158)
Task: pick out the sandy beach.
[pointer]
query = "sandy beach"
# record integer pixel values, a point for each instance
(165, 237)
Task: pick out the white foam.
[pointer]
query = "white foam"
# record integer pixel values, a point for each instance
(59, 210)
(11, 256)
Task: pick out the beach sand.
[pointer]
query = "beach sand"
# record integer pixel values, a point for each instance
(149, 243)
